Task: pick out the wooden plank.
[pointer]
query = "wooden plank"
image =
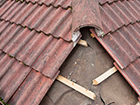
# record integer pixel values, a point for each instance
(138, 103)
(104, 76)
(76, 87)
(83, 43)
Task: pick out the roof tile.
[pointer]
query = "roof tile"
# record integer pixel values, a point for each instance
(19, 82)
(137, 3)
(35, 49)
(48, 20)
(121, 24)
(118, 14)
(12, 74)
(123, 45)
(102, 2)
(38, 33)
(40, 37)
(32, 90)
(56, 3)
(132, 74)
(2, 2)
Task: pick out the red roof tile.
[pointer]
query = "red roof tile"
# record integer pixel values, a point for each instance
(132, 74)
(123, 45)
(106, 1)
(121, 25)
(55, 3)
(42, 46)
(32, 90)
(2, 2)
(40, 34)
(43, 53)
(21, 83)
(119, 14)
(49, 20)
(12, 74)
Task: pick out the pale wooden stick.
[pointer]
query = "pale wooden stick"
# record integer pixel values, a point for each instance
(76, 87)
(138, 103)
(83, 43)
(104, 76)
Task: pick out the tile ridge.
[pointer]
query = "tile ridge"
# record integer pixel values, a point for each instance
(88, 16)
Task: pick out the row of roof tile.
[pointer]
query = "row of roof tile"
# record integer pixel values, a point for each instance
(124, 44)
(119, 14)
(124, 47)
(43, 53)
(49, 20)
(2, 2)
(58, 22)
(121, 24)
(56, 3)
(19, 82)
(34, 33)
(132, 74)
(102, 2)
(66, 3)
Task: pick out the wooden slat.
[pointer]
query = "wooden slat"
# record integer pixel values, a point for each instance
(76, 87)
(138, 103)
(104, 76)
(83, 43)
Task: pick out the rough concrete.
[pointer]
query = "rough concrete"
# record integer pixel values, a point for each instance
(83, 65)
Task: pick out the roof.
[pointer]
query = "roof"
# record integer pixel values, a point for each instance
(2, 2)
(40, 34)
(56, 3)
(35, 39)
(41, 18)
(132, 75)
(20, 82)
(34, 49)
(121, 25)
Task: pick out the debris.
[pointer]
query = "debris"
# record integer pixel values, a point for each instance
(73, 80)
(70, 73)
(68, 77)
(99, 32)
(76, 87)
(92, 64)
(104, 76)
(83, 43)
(92, 35)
